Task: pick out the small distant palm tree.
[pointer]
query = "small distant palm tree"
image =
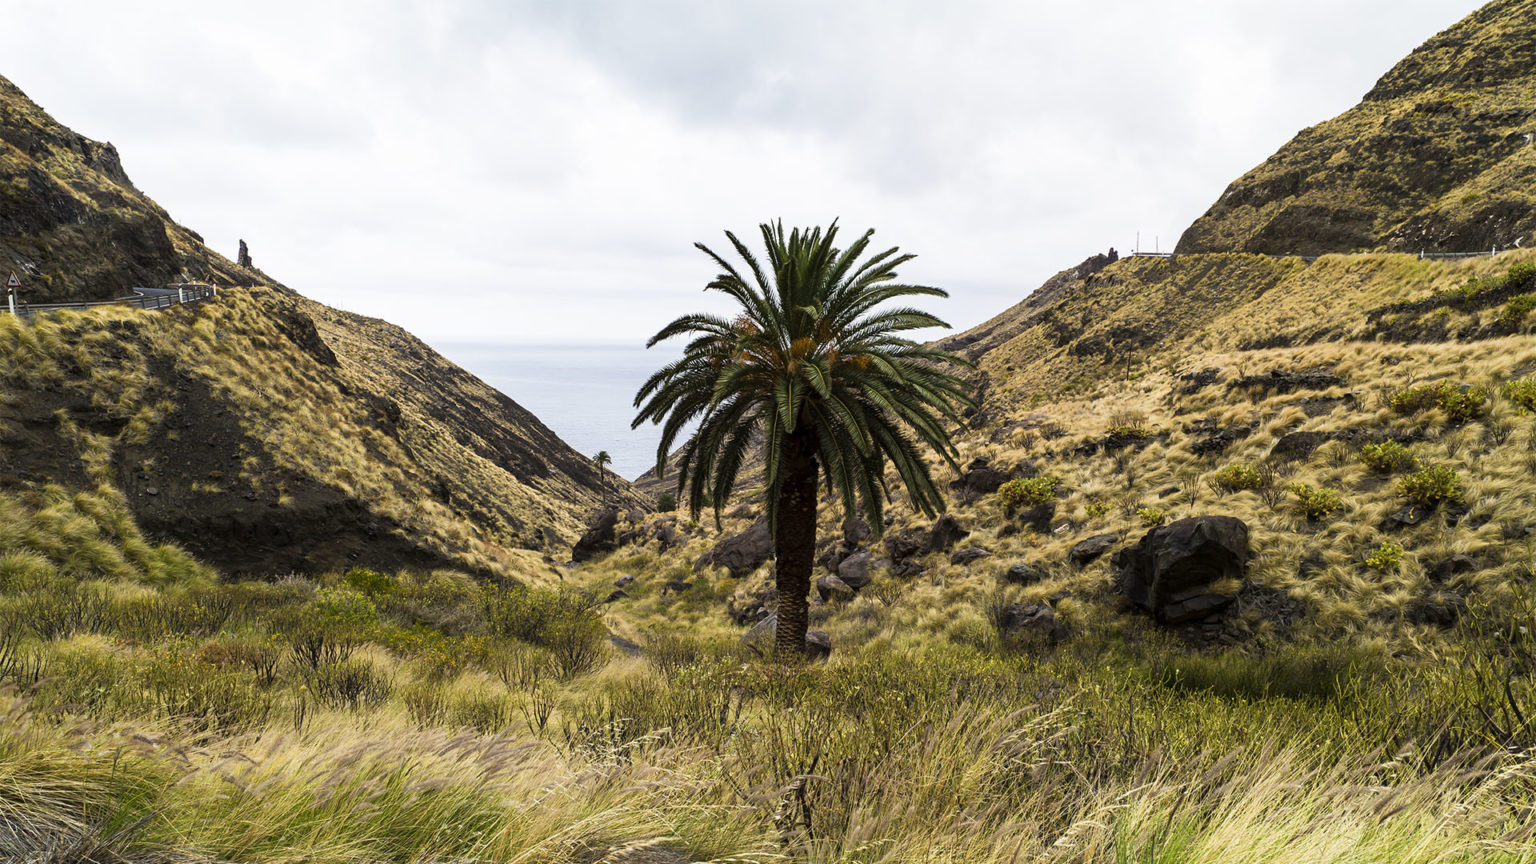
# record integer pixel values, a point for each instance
(602, 460)
(810, 368)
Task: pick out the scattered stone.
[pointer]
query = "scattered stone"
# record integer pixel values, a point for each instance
(1298, 445)
(1217, 440)
(969, 554)
(636, 516)
(616, 595)
(832, 558)
(856, 532)
(1168, 491)
(1170, 571)
(151, 490)
(1194, 382)
(1281, 381)
(1088, 551)
(754, 608)
(831, 588)
(741, 553)
(980, 478)
(624, 581)
(676, 586)
(854, 571)
(1033, 621)
(818, 645)
(945, 534)
(1038, 518)
(1404, 518)
(1442, 572)
(1023, 574)
(1438, 609)
(599, 538)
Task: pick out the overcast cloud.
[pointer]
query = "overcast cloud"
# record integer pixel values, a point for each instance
(538, 171)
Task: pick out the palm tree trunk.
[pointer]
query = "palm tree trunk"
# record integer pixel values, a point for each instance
(794, 541)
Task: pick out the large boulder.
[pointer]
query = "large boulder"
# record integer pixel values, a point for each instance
(854, 571)
(1169, 573)
(741, 553)
(905, 548)
(969, 554)
(599, 538)
(856, 532)
(831, 588)
(1023, 573)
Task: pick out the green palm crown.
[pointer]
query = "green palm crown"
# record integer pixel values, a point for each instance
(810, 354)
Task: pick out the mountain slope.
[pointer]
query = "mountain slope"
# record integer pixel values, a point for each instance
(262, 431)
(1439, 156)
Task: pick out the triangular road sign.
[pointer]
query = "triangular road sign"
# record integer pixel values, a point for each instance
(14, 281)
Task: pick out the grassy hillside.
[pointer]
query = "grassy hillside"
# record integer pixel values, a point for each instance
(1439, 156)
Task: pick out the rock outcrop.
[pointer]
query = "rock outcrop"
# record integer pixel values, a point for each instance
(1171, 572)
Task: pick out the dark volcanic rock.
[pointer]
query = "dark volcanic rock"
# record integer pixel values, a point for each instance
(1023, 574)
(969, 554)
(741, 553)
(1281, 381)
(818, 645)
(1298, 445)
(856, 532)
(1438, 609)
(1170, 571)
(945, 534)
(599, 538)
(1443, 571)
(854, 571)
(979, 479)
(1017, 620)
(1088, 551)
(831, 588)
(1038, 518)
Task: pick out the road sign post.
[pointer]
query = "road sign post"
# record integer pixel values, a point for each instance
(11, 286)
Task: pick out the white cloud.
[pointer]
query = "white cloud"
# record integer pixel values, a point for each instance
(539, 171)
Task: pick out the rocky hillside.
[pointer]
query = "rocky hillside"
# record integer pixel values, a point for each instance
(1338, 448)
(74, 226)
(1440, 156)
(263, 432)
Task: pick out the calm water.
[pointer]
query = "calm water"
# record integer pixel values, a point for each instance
(585, 393)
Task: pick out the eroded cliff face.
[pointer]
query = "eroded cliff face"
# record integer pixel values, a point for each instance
(262, 431)
(1440, 156)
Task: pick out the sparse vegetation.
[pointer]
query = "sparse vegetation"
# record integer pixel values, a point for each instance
(1460, 403)
(1385, 558)
(1238, 477)
(1314, 503)
(1027, 492)
(1431, 485)
(1388, 457)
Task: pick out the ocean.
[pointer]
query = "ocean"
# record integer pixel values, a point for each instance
(585, 393)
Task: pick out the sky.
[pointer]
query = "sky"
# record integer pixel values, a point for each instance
(537, 172)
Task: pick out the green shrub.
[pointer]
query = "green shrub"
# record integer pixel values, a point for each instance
(1429, 486)
(1522, 392)
(1030, 492)
(1097, 509)
(1238, 477)
(1387, 457)
(1521, 274)
(1460, 403)
(566, 622)
(327, 629)
(1315, 503)
(369, 582)
(1151, 516)
(1387, 557)
(666, 502)
(1515, 311)
(1128, 431)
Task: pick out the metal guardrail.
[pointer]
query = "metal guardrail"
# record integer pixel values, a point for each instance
(175, 294)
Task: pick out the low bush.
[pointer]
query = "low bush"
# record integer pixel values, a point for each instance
(1522, 392)
(1460, 402)
(1314, 503)
(1432, 485)
(1152, 516)
(1030, 492)
(1096, 509)
(666, 502)
(1385, 558)
(1516, 310)
(566, 622)
(1387, 457)
(1237, 477)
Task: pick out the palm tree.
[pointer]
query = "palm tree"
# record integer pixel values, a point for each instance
(602, 460)
(812, 370)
